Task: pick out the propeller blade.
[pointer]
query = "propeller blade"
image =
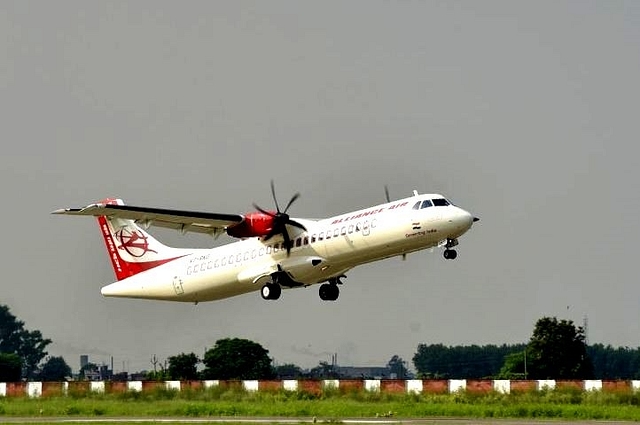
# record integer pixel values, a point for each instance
(273, 193)
(296, 196)
(287, 241)
(296, 224)
(263, 211)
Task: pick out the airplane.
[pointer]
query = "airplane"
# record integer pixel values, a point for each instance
(274, 251)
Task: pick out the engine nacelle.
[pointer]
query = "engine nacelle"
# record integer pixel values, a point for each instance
(255, 224)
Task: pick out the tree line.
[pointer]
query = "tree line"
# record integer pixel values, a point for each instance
(556, 350)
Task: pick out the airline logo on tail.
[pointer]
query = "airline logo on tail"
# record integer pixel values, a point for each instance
(135, 243)
(130, 248)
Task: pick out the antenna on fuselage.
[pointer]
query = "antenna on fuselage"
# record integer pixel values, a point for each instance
(386, 193)
(415, 192)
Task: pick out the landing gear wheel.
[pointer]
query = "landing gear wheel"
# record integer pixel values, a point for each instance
(329, 292)
(271, 291)
(450, 254)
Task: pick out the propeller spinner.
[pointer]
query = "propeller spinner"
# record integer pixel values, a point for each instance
(281, 219)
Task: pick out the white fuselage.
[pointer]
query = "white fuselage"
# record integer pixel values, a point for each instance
(328, 249)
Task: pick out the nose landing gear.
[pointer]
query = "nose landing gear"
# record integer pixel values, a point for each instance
(450, 254)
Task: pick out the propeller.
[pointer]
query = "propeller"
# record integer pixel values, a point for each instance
(281, 219)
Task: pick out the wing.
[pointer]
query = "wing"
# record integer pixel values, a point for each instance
(185, 221)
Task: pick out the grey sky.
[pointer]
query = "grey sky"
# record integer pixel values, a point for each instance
(525, 113)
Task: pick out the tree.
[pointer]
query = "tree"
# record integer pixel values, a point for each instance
(287, 371)
(557, 351)
(324, 370)
(237, 359)
(438, 361)
(15, 339)
(10, 367)
(514, 366)
(183, 366)
(55, 369)
(398, 367)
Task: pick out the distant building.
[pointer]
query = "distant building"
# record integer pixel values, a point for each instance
(363, 372)
(84, 360)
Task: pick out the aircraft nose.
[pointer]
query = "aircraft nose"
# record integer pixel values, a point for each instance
(466, 219)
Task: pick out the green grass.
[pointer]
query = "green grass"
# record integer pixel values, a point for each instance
(330, 405)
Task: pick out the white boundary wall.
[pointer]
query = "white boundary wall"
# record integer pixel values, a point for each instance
(97, 386)
(502, 386)
(546, 384)
(372, 385)
(211, 383)
(331, 383)
(290, 385)
(173, 385)
(414, 386)
(250, 385)
(134, 385)
(593, 385)
(456, 385)
(34, 389)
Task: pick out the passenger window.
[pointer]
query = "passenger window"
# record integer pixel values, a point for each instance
(350, 230)
(268, 249)
(321, 236)
(313, 238)
(426, 203)
(343, 231)
(328, 234)
(336, 233)
(305, 241)
(298, 241)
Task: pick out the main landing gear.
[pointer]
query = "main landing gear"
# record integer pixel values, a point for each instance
(271, 291)
(330, 291)
(450, 254)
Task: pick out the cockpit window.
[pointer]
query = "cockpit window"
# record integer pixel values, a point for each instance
(417, 206)
(441, 202)
(426, 203)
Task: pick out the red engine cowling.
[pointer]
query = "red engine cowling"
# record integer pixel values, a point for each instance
(254, 224)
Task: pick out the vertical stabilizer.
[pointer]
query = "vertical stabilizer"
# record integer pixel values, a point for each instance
(131, 249)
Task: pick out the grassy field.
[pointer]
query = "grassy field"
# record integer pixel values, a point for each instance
(331, 406)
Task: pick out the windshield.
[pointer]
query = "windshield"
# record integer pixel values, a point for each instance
(441, 202)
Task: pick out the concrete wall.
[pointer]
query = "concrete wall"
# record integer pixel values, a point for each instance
(397, 386)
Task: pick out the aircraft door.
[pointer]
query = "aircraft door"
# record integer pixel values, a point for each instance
(177, 285)
(366, 228)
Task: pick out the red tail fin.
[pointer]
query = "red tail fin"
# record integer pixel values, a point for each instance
(130, 248)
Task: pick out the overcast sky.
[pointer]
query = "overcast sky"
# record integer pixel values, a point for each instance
(524, 113)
